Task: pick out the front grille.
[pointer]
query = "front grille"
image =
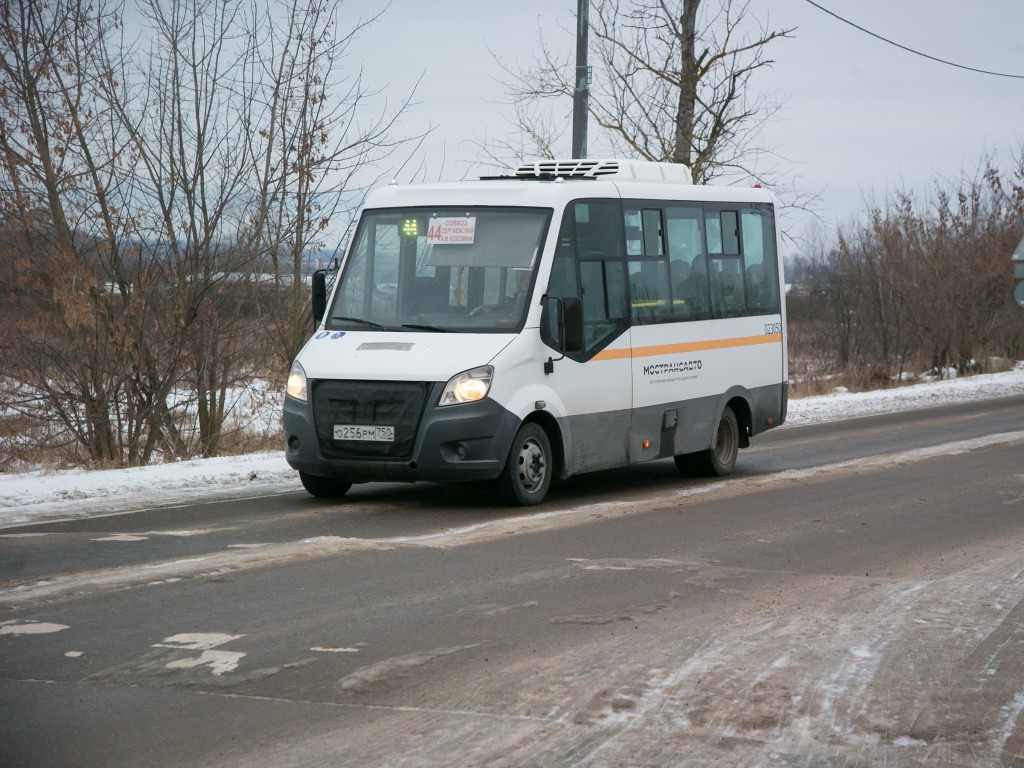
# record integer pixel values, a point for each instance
(398, 404)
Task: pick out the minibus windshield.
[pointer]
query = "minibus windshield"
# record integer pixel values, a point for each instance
(440, 269)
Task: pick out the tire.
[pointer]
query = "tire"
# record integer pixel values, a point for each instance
(527, 475)
(689, 464)
(324, 487)
(720, 459)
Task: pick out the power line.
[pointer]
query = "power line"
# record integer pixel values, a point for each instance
(911, 50)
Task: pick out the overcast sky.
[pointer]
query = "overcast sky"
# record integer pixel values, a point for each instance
(861, 117)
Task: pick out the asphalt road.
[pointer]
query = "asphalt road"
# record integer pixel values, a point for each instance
(854, 595)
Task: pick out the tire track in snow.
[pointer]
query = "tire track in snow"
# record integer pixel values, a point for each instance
(902, 674)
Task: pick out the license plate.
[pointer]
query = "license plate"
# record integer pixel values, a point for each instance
(377, 433)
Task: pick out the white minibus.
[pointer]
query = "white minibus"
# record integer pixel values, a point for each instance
(575, 316)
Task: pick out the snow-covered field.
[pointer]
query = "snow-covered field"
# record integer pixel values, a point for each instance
(47, 495)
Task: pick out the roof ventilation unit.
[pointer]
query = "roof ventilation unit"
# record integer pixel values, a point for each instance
(624, 170)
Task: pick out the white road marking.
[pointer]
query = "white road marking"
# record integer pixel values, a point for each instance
(187, 561)
(196, 641)
(145, 536)
(219, 662)
(28, 627)
(320, 649)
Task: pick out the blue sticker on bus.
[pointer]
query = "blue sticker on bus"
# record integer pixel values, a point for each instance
(338, 335)
(323, 334)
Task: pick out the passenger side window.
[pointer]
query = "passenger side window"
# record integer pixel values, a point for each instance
(649, 289)
(742, 267)
(722, 260)
(688, 272)
(724, 264)
(762, 280)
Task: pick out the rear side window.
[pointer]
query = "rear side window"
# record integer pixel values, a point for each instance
(698, 261)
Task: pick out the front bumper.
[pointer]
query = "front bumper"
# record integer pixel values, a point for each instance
(458, 442)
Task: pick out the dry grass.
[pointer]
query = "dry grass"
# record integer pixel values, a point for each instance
(808, 380)
(30, 441)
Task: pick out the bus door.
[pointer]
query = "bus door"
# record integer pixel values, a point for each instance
(665, 374)
(595, 385)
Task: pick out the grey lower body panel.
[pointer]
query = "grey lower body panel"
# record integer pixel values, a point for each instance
(617, 438)
(471, 441)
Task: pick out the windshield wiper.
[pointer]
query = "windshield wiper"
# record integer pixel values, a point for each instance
(361, 321)
(426, 327)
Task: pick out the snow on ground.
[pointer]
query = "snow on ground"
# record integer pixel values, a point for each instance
(64, 494)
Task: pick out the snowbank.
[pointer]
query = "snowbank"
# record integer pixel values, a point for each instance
(35, 496)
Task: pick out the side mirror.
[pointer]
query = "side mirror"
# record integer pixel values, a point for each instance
(570, 325)
(319, 297)
(562, 324)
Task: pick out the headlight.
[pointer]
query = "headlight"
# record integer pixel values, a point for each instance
(468, 386)
(297, 382)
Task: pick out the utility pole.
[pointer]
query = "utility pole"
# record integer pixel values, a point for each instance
(581, 95)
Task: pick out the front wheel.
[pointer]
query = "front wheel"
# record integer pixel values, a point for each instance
(324, 487)
(527, 474)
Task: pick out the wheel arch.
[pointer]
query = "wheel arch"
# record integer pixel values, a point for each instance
(741, 402)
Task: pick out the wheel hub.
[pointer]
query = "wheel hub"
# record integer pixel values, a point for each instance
(531, 465)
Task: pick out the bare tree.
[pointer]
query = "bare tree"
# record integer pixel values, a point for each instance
(251, 137)
(926, 283)
(313, 136)
(144, 189)
(66, 191)
(188, 116)
(671, 84)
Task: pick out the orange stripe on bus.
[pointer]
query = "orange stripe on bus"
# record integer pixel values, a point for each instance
(692, 346)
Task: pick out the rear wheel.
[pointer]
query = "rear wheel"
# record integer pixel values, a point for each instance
(720, 459)
(527, 475)
(324, 487)
(689, 464)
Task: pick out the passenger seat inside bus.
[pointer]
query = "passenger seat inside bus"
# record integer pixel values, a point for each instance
(679, 272)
